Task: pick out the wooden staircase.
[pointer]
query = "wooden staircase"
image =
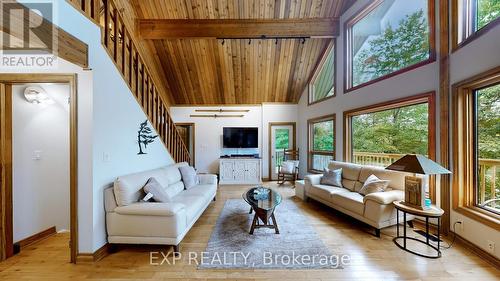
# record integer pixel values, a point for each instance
(129, 63)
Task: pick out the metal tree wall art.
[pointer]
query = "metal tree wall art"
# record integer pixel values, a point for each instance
(145, 136)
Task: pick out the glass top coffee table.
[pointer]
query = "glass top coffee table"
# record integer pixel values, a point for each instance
(263, 201)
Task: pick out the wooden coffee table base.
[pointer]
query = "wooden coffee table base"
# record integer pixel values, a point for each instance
(265, 217)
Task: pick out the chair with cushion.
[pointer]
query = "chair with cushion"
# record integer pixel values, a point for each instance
(289, 168)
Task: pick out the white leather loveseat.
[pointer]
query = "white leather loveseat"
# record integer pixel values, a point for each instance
(375, 209)
(129, 221)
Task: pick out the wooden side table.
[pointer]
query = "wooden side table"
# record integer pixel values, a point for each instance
(431, 212)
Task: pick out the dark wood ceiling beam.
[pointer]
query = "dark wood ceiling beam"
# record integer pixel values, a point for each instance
(240, 28)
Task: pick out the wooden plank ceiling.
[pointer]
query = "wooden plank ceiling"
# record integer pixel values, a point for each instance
(204, 71)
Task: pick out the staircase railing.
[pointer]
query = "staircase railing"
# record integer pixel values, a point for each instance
(121, 48)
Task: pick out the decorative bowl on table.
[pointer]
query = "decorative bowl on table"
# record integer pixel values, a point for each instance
(261, 193)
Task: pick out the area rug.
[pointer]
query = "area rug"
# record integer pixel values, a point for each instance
(298, 246)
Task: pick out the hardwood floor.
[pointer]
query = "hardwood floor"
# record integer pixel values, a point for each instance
(371, 258)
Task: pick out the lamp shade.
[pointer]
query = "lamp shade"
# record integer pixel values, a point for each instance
(418, 164)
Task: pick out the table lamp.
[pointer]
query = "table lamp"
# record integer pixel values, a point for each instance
(416, 164)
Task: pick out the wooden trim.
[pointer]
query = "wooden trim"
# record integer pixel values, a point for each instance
(332, 46)
(310, 152)
(233, 104)
(102, 252)
(464, 242)
(96, 256)
(460, 25)
(463, 151)
(193, 157)
(6, 210)
(6, 149)
(269, 132)
(37, 237)
(478, 251)
(237, 28)
(444, 108)
(347, 36)
(429, 98)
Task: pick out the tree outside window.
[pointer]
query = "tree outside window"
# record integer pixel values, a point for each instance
(488, 148)
(393, 36)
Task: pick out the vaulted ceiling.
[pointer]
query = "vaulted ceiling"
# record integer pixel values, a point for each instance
(200, 67)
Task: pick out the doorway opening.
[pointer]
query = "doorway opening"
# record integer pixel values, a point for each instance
(38, 146)
(187, 132)
(282, 136)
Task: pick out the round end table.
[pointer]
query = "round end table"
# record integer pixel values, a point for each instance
(430, 212)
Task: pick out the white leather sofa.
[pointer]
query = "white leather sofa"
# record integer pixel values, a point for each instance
(129, 221)
(375, 209)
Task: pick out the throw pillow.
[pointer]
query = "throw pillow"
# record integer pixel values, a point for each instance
(373, 184)
(189, 176)
(332, 177)
(287, 167)
(159, 195)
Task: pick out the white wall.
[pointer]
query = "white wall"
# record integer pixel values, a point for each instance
(208, 131)
(40, 184)
(478, 56)
(115, 120)
(108, 119)
(421, 80)
(474, 58)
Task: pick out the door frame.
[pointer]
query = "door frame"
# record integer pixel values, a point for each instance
(6, 203)
(270, 130)
(193, 137)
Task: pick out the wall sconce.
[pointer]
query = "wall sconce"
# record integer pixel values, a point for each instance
(37, 95)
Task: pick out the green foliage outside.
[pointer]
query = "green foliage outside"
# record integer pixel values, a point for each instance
(323, 85)
(282, 137)
(399, 131)
(323, 136)
(488, 132)
(487, 11)
(394, 49)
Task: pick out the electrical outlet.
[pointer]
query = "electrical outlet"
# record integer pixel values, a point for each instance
(491, 246)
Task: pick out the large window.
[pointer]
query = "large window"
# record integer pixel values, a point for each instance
(473, 17)
(487, 147)
(388, 37)
(379, 135)
(476, 148)
(321, 142)
(322, 85)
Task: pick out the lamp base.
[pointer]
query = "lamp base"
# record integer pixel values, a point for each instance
(414, 192)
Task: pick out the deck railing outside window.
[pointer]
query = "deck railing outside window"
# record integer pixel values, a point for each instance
(488, 195)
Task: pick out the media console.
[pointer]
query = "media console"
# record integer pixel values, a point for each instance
(240, 170)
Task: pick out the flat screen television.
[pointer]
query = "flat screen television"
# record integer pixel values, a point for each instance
(234, 137)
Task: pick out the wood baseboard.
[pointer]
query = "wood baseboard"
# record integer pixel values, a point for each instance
(95, 256)
(22, 244)
(478, 251)
(464, 242)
